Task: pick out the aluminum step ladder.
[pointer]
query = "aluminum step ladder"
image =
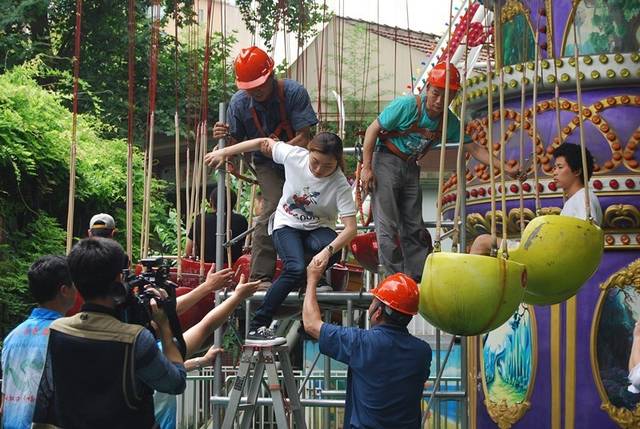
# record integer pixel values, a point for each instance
(263, 358)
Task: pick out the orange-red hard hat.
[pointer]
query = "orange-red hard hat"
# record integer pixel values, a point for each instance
(399, 292)
(438, 76)
(253, 67)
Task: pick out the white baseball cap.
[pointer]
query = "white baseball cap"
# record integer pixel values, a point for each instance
(102, 221)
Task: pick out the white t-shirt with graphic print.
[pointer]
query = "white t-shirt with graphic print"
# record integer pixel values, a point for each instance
(309, 202)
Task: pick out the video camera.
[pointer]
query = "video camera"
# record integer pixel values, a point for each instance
(136, 301)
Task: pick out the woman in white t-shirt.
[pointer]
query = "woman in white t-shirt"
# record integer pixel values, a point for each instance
(315, 193)
(567, 174)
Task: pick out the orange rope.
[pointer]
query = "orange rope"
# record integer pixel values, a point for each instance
(177, 146)
(130, 124)
(74, 127)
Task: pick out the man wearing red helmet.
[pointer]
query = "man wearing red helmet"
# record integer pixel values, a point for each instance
(265, 107)
(387, 366)
(403, 132)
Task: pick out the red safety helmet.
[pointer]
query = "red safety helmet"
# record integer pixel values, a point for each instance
(253, 67)
(399, 292)
(438, 76)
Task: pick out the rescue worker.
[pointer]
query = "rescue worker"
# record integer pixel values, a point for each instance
(403, 132)
(265, 107)
(387, 365)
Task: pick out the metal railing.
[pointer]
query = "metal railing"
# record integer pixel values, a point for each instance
(195, 404)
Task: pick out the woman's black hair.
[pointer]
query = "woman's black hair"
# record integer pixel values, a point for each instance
(328, 144)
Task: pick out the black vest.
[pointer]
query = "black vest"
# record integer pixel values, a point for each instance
(92, 359)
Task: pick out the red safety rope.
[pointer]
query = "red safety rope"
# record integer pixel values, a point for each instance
(131, 27)
(74, 127)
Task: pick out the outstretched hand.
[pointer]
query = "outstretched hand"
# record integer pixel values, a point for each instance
(245, 290)
(217, 280)
(266, 146)
(321, 259)
(215, 158)
(211, 354)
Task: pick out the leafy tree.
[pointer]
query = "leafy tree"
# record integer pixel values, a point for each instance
(34, 152)
(297, 17)
(24, 31)
(104, 56)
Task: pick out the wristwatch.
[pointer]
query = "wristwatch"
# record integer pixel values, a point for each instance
(330, 249)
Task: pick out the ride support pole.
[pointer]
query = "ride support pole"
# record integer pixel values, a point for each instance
(220, 238)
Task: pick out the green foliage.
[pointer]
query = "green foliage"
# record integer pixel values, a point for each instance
(24, 32)
(167, 233)
(35, 136)
(231, 341)
(104, 59)
(42, 236)
(294, 17)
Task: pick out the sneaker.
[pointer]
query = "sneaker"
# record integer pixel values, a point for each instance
(263, 336)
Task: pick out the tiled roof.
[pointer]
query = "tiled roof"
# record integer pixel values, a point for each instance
(423, 42)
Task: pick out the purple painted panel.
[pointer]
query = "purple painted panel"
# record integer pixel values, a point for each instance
(622, 119)
(588, 414)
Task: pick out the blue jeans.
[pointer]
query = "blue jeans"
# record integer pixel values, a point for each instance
(292, 245)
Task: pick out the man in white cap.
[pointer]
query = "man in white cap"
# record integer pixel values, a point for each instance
(102, 225)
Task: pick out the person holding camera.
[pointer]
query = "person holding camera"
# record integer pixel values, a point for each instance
(99, 371)
(25, 348)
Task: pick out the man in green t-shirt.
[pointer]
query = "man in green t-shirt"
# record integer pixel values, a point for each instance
(403, 132)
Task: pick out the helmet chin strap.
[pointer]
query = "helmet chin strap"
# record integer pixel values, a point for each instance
(391, 314)
(371, 313)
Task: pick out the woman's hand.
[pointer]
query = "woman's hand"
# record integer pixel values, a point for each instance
(215, 158)
(321, 259)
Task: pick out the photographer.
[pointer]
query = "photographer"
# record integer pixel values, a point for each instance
(101, 372)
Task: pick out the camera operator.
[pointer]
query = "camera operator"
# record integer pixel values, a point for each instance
(101, 372)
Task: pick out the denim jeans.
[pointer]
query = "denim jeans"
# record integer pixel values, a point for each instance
(292, 245)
